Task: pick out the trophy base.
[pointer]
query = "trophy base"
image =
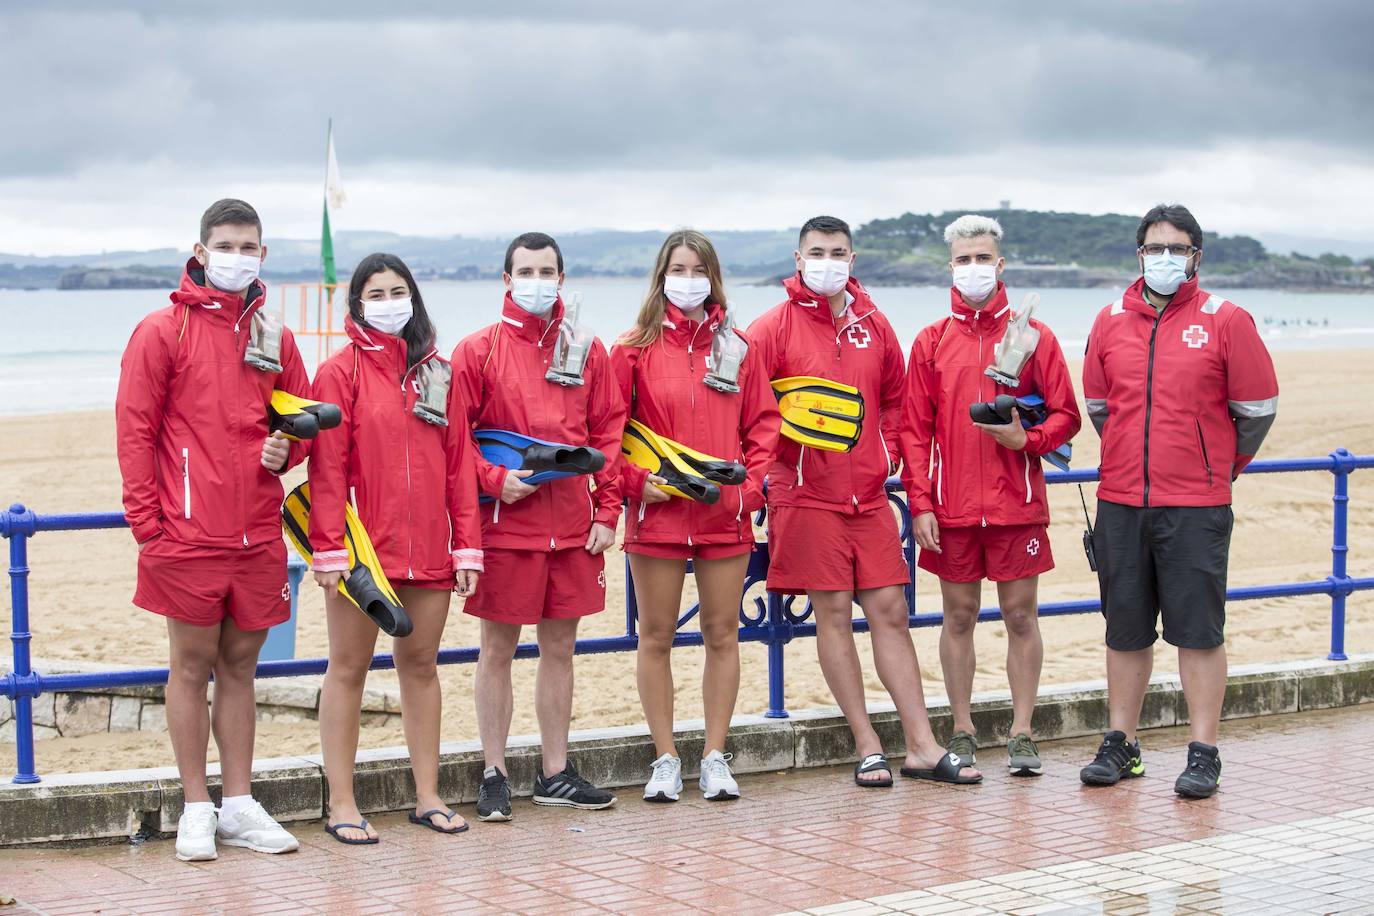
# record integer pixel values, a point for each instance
(430, 415)
(566, 379)
(262, 362)
(720, 384)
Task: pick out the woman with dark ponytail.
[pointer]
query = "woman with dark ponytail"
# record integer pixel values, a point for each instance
(411, 478)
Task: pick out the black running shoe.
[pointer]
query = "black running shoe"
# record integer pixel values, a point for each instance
(1203, 774)
(568, 790)
(493, 799)
(1115, 760)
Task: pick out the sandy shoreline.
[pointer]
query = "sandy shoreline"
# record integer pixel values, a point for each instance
(81, 582)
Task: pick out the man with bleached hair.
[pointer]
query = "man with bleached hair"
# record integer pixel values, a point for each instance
(976, 489)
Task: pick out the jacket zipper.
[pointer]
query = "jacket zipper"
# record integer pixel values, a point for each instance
(410, 496)
(1149, 405)
(186, 482)
(982, 461)
(1202, 444)
(239, 388)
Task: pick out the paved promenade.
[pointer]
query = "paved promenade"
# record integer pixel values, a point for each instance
(1291, 832)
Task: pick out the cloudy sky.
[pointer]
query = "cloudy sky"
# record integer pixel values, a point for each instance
(122, 121)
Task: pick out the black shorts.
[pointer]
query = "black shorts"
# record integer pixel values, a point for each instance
(1165, 561)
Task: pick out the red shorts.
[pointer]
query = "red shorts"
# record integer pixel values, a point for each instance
(691, 552)
(526, 586)
(822, 551)
(204, 585)
(998, 553)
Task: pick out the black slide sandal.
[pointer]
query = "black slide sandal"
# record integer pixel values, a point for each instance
(873, 763)
(947, 770)
(333, 830)
(424, 820)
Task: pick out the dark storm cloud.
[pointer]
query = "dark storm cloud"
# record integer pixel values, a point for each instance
(557, 85)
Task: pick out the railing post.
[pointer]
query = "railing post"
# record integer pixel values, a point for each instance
(779, 635)
(18, 525)
(631, 602)
(1340, 500)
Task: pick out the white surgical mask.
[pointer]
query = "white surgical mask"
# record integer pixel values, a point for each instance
(534, 296)
(1165, 273)
(686, 292)
(387, 315)
(231, 272)
(975, 282)
(825, 277)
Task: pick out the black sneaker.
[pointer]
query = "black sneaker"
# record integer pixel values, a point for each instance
(1203, 774)
(1115, 759)
(568, 790)
(493, 799)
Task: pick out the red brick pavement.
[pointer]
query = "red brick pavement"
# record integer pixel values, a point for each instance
(797, 839)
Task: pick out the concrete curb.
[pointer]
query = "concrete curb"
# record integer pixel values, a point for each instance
(109, 806)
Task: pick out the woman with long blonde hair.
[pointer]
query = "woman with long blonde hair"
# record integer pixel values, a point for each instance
(687, 375)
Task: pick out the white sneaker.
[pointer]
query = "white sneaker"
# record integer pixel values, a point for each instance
(666, 783)
(716, 782)
(196, 835)
(253, 828)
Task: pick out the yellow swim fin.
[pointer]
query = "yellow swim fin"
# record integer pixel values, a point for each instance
(644, 448)
(820, 413)
(300, 418)
(364, 584)
(716, 470)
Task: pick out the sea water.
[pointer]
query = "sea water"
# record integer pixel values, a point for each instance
(60, 349)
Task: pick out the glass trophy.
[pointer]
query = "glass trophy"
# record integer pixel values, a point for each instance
(727, 355)
(571, 348)
(264, 342)
(434, 377)
(1017, 346)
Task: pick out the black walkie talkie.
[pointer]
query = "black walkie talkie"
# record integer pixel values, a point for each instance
(1087, 535)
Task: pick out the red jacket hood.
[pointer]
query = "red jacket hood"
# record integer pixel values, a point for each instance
(195, 291)
(677, 327)
(375, 341)
(1134, 298)
(798, 293)
(526, 326)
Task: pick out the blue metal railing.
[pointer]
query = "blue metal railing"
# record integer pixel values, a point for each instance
(771, 620)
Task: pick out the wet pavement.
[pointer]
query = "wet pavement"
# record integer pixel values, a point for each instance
(1292, 831)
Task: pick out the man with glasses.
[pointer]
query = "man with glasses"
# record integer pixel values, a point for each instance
(1182, 391)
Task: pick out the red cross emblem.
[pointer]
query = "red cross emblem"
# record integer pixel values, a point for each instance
(1033, 546)
(1195, 337)
(859, 336)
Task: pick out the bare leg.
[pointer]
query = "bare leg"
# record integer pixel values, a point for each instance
(895, 658)
(492, 692)
(957, 659)
(1025, 649)
(658, 589)
(421, 699)
(840, 665)
(720, 583)
(553, 690)
(192, 651)
(352, 640)
(1128, 675)
(1203, 672)
(234, 713)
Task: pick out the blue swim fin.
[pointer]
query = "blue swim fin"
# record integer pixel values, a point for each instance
(548, 460)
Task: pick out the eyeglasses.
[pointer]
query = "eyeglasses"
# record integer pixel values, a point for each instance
(1181, 251)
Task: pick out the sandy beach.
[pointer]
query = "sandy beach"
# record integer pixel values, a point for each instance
(82, 582)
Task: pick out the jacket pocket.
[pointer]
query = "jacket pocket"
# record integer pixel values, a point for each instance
(1202, 446)
(185, 483)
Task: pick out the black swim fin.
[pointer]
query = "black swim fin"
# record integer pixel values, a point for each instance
(300, 418)
(716, 470)
(364, 584)
(644, 448)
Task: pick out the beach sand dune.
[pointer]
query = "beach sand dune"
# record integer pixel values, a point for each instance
(82, 582)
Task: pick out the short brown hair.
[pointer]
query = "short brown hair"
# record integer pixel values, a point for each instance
(229, 212)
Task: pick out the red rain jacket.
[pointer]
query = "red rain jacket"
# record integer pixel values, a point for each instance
(859, 348)
(663, 385)
(950, 466)
(412, 482)
(1182, 399)
(498, 383)
(191, 417)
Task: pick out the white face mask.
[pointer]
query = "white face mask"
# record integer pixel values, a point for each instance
(387, 315)
(686, 292)
(534, 296)
(975, 282)
(825, 277)
(1165, 273)
(231, 272)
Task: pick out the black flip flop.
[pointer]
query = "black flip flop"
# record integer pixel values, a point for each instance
(872, 764)
(424, 820)
(333, 830)
(947, 770)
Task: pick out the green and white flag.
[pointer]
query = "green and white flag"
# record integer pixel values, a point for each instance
(333, 197)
